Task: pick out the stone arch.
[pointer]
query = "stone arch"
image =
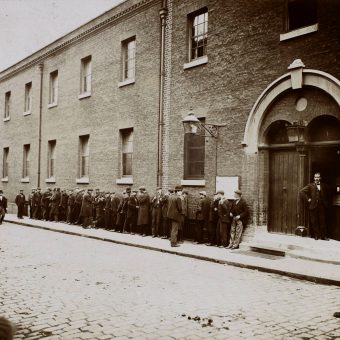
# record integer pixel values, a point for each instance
(288, 81)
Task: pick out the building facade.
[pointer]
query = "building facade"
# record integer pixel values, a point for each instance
(103, 106)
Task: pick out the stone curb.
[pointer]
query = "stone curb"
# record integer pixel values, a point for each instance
(315, 279)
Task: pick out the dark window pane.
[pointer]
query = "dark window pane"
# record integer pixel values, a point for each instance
(301, 13)
(194, 155)
(127, 164)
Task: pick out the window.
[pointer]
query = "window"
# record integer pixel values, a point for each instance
(53, 97)
(194, 156)
(26, 161)
(301, 13)
(5, 163)
(84, 156)
(51, 158)
(7, 104)
(198, 34)
(127, 151)
(86, 69)
(129, 58)
(28, 97)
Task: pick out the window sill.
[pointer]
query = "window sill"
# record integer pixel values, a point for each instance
(193, 182)
(83, 180)
(7, 119)
(25, 180)
(50, 180)
(4, 179)
(196, 62)
(126, 82)
(52, 105)
(299, 32)
(84, 95)
(26, 113)
(124, 180)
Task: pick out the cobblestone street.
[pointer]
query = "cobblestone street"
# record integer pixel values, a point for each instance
(56, 286)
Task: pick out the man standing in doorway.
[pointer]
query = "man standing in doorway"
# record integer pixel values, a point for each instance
(315, 194)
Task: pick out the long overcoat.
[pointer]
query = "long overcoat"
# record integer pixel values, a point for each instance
(144, 209)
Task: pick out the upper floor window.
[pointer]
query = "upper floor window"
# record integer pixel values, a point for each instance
(7, 104)
(198, 34)
(53, 95)
(51, 158)
(84, 152)
(127, 151)
(26, 161)
(5, 163)
(300, 18)
(194, 155)
(129, 58)
(86, 69)
(301, 13)
(28, 97)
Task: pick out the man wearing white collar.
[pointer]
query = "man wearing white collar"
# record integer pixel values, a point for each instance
(3, 206)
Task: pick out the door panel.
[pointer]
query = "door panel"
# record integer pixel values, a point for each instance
(283, 192)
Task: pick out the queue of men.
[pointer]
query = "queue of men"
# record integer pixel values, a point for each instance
(164, 214)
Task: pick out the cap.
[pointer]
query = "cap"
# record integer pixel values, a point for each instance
(219, 192)
(128, 190)
(135, 191)
(142, 188)
(203, 193)
(89, 189)
(239, 192)
(158, 188)
(178, 188)
(185, 192)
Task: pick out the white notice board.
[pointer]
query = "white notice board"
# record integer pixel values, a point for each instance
(228, 185)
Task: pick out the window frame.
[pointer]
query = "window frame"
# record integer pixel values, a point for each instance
(28, 98)
(7, 114)
(85, 77)
(126, 149)
(5, 166)
(51, 158)
(26, 161)
(128, 62)
(53, 89)
(84, 157)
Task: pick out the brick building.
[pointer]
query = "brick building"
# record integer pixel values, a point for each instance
(103, 106)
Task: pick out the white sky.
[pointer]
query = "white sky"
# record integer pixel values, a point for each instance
(28, 25)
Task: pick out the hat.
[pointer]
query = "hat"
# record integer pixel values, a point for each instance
(203, 193)
(38, 188)
(185, 192)
(21, 190)
(158, 188)
(1, 192)
(178, 188)
(89, 189)
(239, 192)
(219, 192)
(135, 191)
(128, 190)
(142, 188)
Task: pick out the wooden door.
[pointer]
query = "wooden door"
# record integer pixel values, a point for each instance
(283, 191)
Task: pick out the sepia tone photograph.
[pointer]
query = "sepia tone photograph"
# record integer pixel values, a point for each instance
(169, 169)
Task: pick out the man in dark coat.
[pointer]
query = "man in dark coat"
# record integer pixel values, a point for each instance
(108, 212)
(30, 202)
(132, 213)
(99, 203)
(77, 206)
(86, 211)
(156, 212)
(3, 206)
(165, 221)
(63, 205)
(55, 201)
(20, 202)
(239, 214)
(45, 204)
(122, 210)
(213, 220)
(70, 206)
(224, 220)
(316, 196)
(114, 204)
(202, 217)
(143, 211)
(174, 214)
(36, 201)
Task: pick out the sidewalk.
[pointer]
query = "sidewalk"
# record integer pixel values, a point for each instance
(301, 267)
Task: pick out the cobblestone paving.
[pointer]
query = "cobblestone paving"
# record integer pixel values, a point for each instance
(56, 286)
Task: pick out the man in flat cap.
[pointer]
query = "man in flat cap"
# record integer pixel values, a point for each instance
(143, 211)
(224, 220)
(30, 202)
(174, 214)
(156, 212)
(20, 202)
(213, 220)
(202, 217)
(239, 215)
(122, 211)
(132, 213)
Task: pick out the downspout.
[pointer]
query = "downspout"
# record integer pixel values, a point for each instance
(41, 69)
(163, 14)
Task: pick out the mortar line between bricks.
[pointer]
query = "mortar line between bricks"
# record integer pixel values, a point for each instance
(305, 277)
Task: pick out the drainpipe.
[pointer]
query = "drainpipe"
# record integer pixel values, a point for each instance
(163, 14)
(41, 69)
